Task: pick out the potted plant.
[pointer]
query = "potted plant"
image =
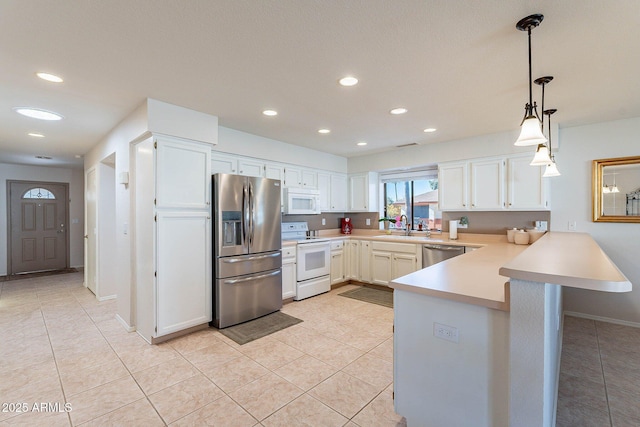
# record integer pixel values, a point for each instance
(386, 222)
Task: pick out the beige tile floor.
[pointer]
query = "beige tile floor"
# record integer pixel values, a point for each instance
(599, 375)
(59, 345)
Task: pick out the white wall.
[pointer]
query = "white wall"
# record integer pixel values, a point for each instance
(245, 144)
(151, 116)
(570, 197)
(75, 179)
(571, 201)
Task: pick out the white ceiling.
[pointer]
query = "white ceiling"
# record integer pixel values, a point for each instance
(459, 66)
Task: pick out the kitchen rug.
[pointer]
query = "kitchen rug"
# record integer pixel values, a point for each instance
(260, 327)
(374, 296)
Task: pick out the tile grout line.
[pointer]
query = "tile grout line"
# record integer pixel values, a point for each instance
(123, 364)
(53, 353)
(604, 377)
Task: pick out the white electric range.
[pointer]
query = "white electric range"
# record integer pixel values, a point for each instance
(313, 258)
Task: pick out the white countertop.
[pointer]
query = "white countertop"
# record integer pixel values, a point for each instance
(479, 277)
(471, 278)
(568, 259)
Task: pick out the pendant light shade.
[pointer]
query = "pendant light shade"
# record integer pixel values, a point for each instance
(541, 157)
(551, 170)
(531, 133)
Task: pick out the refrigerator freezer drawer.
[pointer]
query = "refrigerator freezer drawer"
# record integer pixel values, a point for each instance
(247, 264)
(243, 298)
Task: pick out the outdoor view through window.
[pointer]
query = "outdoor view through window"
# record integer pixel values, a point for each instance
(415, 198)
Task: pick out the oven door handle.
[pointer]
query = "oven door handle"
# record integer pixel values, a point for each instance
(251, 258)
(305, 246)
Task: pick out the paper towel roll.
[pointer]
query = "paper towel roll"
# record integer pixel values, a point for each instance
(453, 230)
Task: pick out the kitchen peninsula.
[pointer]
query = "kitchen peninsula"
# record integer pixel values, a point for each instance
(477, 337)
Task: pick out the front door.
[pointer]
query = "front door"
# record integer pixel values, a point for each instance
(38, 226)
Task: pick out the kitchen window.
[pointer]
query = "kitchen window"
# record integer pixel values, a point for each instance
(414, 194)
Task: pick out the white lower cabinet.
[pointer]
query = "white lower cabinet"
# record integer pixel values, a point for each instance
(352, 259)
(365, 262)
(392, 260)
(337, 262)
(288, 272)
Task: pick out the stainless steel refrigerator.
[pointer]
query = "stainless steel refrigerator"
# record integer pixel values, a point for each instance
(247, 261)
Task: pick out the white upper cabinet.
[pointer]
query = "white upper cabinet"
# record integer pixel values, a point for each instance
(363, 192)
(295, 177)
(483, 184)
(249, 167)
(453, 186)
(223, 163)
(292, 177)
(525, 185)
(180, 169)
(487, 184)
(274, 171)
(338, 197)
(333, 192)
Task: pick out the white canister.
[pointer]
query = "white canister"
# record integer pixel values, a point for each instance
(521, 237)
(453, 230)
(510, 234)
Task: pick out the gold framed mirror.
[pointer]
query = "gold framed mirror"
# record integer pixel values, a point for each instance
(616, 189)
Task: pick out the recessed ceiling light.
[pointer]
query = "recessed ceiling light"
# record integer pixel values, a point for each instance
(399, 110)
(270, 112)
(361, 143)
(348, 81)
(37, 113)
(36, 135)
(324, 131)
(429, 130)
(50, 77)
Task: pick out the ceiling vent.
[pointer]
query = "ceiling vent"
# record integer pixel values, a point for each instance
(407, 145)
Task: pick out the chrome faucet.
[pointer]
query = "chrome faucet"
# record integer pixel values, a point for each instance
(407, 226)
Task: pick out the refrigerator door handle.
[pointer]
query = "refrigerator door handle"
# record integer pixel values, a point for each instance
(251, 258)
(245, 213)
(251, 207)
(249, 279)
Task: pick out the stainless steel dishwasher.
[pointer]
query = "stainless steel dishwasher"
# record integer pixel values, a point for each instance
(433, 254)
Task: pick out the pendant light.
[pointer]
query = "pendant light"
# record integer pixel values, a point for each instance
(552, 168)
(543, 152)
(531, 132)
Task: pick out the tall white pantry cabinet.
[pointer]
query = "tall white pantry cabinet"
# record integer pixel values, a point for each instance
(171, 192)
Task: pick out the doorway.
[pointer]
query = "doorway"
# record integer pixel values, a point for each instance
(38, 232)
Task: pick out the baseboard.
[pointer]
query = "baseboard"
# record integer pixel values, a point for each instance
(177, 334)
(108, 297)
(126, 326)
(603, 319)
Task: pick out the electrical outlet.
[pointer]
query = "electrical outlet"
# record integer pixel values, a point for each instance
(324, 221)
(368, 221)
(445, 332)
(541, 225)
(572, 226)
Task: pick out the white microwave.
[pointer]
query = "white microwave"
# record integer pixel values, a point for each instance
(300, 201)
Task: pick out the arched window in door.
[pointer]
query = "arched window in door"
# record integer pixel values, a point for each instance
(38, 193)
